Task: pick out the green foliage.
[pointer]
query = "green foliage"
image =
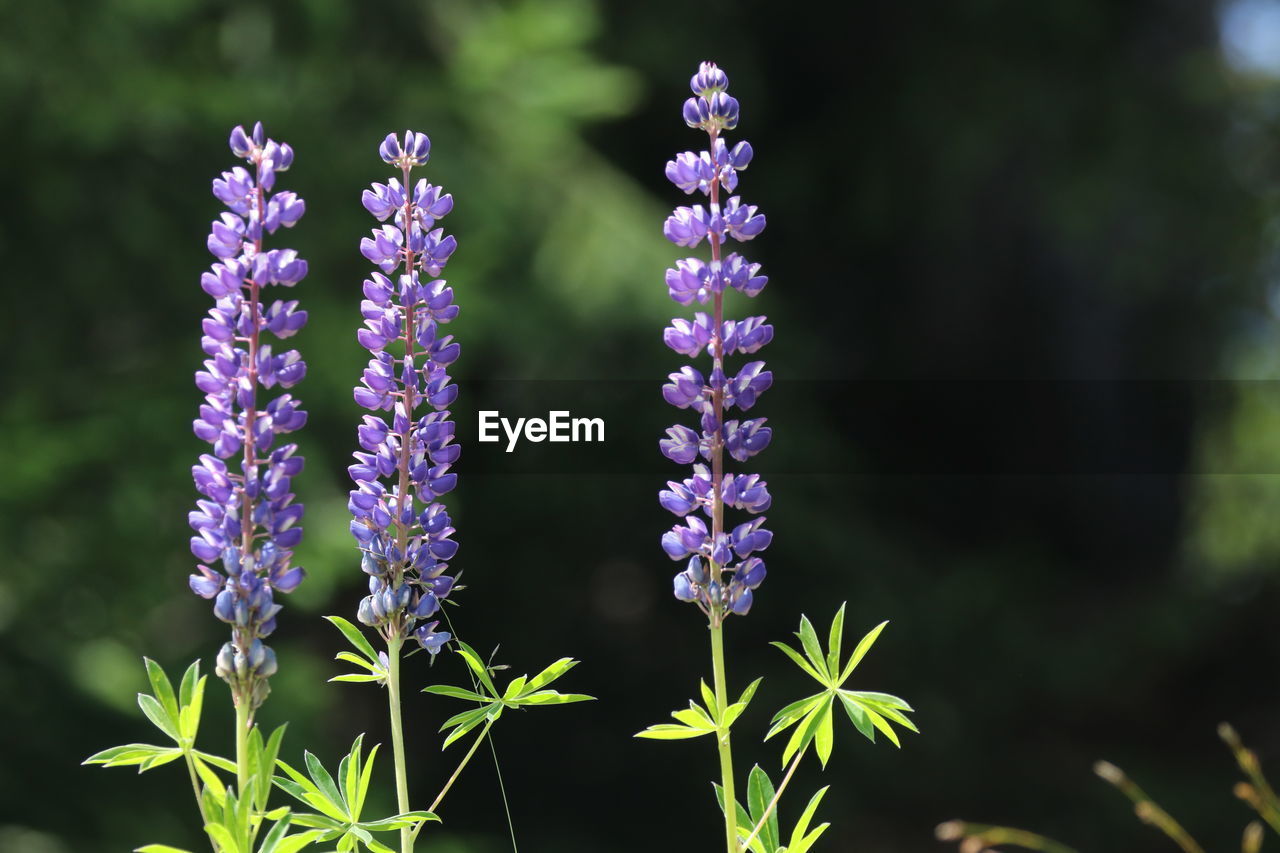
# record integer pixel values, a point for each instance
(367, 659)
(177, 715)
(698, 720)
(520, 692)
(768, 838)
(812, 717)
(339, 803)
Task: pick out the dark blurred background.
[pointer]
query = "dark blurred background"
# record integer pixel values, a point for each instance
(1024, 267)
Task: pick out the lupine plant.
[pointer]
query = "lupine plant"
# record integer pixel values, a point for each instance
(247, 522)
(722, 563)
(402, 471)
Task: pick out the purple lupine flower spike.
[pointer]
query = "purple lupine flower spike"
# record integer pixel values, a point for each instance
(248, 521)
(403, 530)
(711, 551)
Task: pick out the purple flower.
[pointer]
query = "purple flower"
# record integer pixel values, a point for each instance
(712, 550)
(248, 523)
(402, 467)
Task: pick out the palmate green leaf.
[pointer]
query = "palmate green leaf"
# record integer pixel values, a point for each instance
(824, 737)
(793, 714)
(308, 792)
(834, 640)
(349, 777)
(355, 637)
(808, 729)
(478, 667)
(813, 649)
(294, 843)
(551, 697)
(799, 661)
(813, 716)
(885, 699)
(695, 716)
(864, 646)
(858, 717)
(671, 731)
(271, 842)
(328, 825)
(759, 794)
(471, 720)
(159, 717)
(191, 703)
(709, 699)
(324, 782)
(455, 692)
(217, 761)
(514, 687)
(400, 821)
(190, 679)
(744, 822)
(731, 714)
(223, 838)
(801, 838)
(159, 848)
(162, 689)
(135, 753)
(262, 761)
(357, 677)
(365, 776)
(213, 786)
(550, 674)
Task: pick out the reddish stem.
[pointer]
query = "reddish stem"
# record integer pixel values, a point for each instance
(717, 394)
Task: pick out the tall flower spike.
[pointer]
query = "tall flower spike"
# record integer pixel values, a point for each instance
(720, 574)
(247, 521)
(402, 468)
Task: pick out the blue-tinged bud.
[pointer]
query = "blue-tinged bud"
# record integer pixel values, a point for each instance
(709, 80)
(390, 148)
(696, 112)
(224, 606)
(684, 589)
(257, 654)
(268, 666)
(366, 614)
(239, 142)
(696, 571)
(723, 109)
(226, 662)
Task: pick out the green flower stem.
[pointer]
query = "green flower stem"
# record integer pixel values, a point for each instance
(397, 738)
(773, 804)
(456, 773)
(722, 740)
(195, 785)
(244, 721)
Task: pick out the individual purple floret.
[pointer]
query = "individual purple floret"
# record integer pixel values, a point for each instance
(709, 549)
(403, 530)
(248, 521)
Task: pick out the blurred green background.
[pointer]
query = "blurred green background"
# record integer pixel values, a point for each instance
(968, 200)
